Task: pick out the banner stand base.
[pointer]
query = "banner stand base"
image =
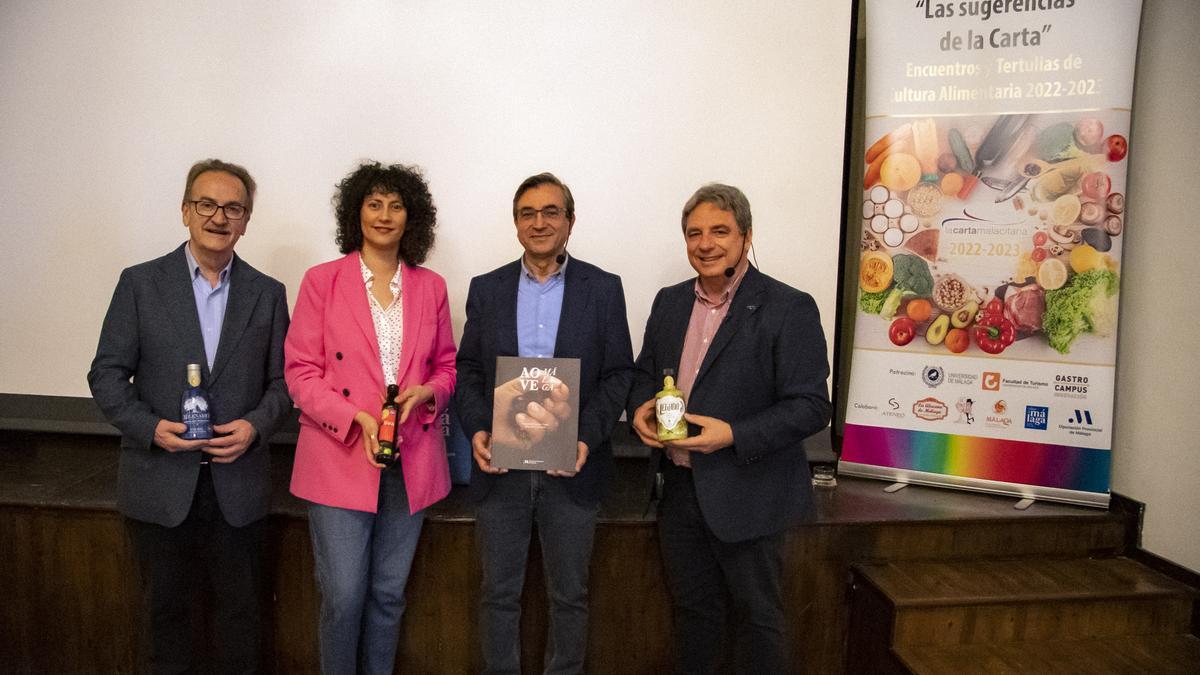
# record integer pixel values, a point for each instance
(1024, 504)
(895, 487)
(1014, 490)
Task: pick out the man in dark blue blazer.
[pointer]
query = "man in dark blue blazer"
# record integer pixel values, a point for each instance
(750, 356)
(197, 505)
(546, 304)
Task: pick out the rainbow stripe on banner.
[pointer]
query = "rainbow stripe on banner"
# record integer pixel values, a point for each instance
(1053, 466)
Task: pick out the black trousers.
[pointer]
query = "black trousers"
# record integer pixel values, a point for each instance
(202, 553)
(704, 574)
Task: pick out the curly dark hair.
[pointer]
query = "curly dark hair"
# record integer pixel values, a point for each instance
(406, 181)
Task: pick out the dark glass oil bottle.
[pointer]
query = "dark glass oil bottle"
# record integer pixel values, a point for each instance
(388, 439)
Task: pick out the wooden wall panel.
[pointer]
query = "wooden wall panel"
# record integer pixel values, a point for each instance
(70, 598)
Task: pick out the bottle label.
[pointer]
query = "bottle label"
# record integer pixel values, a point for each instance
(196, 416)
(387, 426)
(669, 410)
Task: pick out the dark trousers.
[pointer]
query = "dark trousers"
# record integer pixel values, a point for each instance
(504, 522)
(174, 561)
(703, 572)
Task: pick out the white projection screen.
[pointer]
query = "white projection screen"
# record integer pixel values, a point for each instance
(105, 105)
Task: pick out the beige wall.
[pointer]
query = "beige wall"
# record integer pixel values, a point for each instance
(1156, 456)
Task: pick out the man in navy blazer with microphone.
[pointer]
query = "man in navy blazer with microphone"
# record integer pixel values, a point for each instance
(750, 356)
(546, 304)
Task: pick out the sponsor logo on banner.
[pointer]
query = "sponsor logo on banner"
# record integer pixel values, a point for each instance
(933, 375)
(1080, 423)
(865, 406)
(1071, 386)
(1081, 417)
(930, 409)
(1017, 383)
(1036, 417)
(895, 409)
(964, 408)
(991, 381)
(966, 379)
(997, 419)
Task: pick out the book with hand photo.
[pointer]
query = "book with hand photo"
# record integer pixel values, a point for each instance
(535, 414)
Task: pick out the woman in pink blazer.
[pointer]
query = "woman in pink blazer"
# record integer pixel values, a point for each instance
(364, 321)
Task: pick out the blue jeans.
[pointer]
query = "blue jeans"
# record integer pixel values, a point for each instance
(503, 523)
(362, 563)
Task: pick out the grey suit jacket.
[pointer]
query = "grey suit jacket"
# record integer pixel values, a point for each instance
(150, 334)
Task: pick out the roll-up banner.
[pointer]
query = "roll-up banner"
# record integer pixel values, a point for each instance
(993, 216)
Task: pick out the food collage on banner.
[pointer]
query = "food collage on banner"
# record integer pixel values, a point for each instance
(994, 236)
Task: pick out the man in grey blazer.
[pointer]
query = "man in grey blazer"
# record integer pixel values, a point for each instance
(196, 508)
(750, 356)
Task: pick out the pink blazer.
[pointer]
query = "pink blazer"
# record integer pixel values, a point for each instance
(332, 371)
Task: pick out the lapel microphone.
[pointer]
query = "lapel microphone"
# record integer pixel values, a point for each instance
(562, 258)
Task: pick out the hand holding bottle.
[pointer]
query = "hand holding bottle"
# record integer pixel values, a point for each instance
(645, 424)
(370, 436)
(411, 398)
(236, 437)
(714, 435)
(167, 437)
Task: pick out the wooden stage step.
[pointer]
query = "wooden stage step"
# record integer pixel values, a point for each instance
(969, 582)
(1158, 654)
(939, 613)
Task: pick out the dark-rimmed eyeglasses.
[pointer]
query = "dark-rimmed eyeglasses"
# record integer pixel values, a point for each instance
(208, 209)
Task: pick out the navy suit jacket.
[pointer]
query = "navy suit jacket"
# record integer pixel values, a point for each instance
(592, 327)
(150, 334)
(764, 374)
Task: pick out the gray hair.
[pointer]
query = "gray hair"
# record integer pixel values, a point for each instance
(724, 197)
(546, 178)
(234, 170)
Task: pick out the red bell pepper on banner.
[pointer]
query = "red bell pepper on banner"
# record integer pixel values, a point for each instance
(993, 332)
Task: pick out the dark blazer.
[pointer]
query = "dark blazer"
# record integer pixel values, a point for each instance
(592, 328)
(150, 334)
(764, 374)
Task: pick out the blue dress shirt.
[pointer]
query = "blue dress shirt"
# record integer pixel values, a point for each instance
(210, 303)
(539, 306)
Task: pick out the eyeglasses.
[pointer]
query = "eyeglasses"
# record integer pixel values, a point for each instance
(550, 213)
(206, 208)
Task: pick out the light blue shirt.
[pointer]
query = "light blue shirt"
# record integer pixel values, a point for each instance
(539, 306)
(210, 303)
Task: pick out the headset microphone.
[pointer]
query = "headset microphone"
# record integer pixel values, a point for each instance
(730, 270)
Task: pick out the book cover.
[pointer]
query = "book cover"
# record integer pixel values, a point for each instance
(535, 414)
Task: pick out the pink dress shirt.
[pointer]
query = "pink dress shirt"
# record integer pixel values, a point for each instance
(708, 313)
